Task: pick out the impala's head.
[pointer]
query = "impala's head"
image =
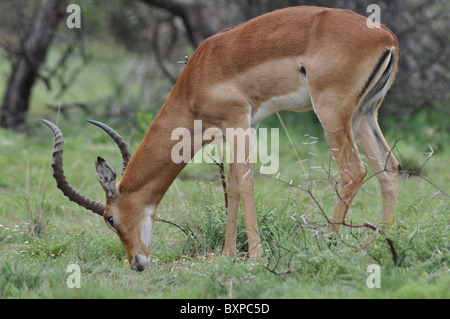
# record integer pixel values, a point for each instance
(131, 220)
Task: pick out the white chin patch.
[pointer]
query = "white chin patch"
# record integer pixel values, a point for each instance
(147, 225)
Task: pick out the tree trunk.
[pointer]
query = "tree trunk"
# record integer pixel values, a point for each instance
(32, 55)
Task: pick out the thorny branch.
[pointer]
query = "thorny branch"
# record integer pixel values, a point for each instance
(272, 266)
(279, 256)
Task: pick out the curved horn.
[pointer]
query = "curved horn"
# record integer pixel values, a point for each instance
(61, 181)
(123, 146)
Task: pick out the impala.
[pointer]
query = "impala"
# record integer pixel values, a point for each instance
(298, 59)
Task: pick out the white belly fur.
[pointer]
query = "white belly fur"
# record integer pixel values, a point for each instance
(298, 101)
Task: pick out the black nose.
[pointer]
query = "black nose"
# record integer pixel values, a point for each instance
(137, 267)
(139, 262)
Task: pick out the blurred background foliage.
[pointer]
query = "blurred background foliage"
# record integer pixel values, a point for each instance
(138, 44)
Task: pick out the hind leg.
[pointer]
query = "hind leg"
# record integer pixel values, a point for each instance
(351, 173)
(336, 118)
(374, 145)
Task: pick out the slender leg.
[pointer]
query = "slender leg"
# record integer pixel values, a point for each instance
(240, 141)
(336, 121)
(380, 156)
(351, 172)
(244, 177)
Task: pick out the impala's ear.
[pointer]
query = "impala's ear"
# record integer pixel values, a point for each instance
(107, 177)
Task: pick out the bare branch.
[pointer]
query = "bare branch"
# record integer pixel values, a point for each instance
(196, 27)
(222, 179)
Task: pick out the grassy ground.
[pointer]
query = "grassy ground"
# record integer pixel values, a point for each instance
(42, 232)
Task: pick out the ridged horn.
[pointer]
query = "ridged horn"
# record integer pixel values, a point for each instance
(123, 146)
(61, 181)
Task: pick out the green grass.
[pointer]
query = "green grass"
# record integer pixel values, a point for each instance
(42, 232)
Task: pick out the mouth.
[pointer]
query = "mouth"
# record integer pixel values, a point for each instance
(139, 262)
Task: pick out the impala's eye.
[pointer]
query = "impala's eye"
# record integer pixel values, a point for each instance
(111, 223)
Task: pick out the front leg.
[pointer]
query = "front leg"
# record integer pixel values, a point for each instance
(239, 136)
(240, 140)
(234, 200)
(245, 184)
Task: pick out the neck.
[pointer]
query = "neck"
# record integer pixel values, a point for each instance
(151, 169)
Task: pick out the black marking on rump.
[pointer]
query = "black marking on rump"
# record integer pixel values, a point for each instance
(366, 106)
(374, 72)
(368, 102)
